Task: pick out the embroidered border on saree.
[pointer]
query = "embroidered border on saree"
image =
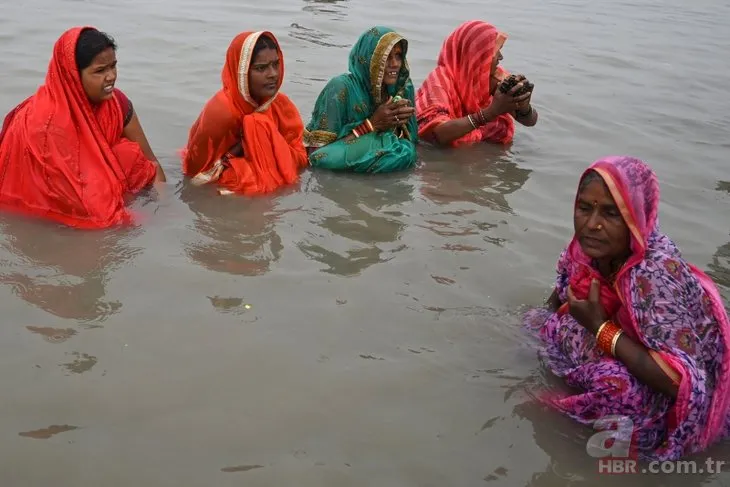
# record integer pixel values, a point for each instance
(318, 138)
(380, 58)
(244, 65)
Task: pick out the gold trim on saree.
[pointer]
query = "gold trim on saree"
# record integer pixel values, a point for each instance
(622, 206)
(210, 176)
(318, 138)
(244, 64)
(379, 60)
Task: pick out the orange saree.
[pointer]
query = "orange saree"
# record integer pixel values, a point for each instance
(271, 133)
(66, 160)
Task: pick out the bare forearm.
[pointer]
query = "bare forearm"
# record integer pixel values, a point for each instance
(236, 149)
(448, 132)
(637, 360)
(553, 302)
(159, 173)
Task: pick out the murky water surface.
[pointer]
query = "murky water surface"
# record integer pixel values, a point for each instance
(350, 331)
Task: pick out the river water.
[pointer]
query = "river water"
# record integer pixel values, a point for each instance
(350, 331)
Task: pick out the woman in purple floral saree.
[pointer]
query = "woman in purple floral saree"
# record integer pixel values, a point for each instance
(637, 330)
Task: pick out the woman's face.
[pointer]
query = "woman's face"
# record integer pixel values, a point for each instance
(493, 81)
(263, 76)
(495, 62)
(599, 226)
(99, 77)
(393, 65)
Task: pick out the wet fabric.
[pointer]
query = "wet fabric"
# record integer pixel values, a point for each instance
(460, 85)
(666, 304)
(348, 99)
(63, 158)
(271, 132)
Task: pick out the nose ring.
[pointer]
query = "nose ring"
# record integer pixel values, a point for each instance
(599, 227)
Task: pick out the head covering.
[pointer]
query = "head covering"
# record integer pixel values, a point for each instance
(347, 100)
(271, 132)
(63, 158)
(666, 304)
(234, 75)
(460, 83)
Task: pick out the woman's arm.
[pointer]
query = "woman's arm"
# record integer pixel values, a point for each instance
(528, 117)
(236, 149)
(635, 356)
(640, 363)
(553, 302)
(134, 132)
(448, 132)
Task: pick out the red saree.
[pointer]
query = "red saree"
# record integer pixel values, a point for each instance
(460, 85)
(63, 158)
(272, 133)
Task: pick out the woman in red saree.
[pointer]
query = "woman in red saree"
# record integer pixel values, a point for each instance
(248, 138)
(459, 103)
(72, 151)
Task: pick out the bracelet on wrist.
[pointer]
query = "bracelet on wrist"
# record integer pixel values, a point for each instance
(607, 337)
(364, 128)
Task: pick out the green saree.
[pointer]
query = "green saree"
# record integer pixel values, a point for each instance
(348, 99)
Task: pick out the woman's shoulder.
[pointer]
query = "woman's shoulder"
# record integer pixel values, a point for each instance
(126, 104)
(285, 105)
(283, 99)
(663, 263)
(438, 77)
(339, 83)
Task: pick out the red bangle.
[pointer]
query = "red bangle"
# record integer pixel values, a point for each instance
(364, 128)
(606, 334)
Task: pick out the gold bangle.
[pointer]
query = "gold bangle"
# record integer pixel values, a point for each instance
(614, 342)
(370, 125)
(600, 328)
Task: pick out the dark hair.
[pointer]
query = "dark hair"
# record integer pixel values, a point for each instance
(91, 42)
(589, 177)
(264, 42)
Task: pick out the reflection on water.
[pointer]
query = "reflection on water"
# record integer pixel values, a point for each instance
(719, 267)
(240, 232)
(467, 176)
(61, 271)
(565, 443)
(467, 184)
(440, 249)
(359, 229)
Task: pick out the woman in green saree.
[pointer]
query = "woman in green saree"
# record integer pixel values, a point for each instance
(364, 120)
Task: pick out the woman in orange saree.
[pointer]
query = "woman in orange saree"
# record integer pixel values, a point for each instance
(248, 138)
(72, 151)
